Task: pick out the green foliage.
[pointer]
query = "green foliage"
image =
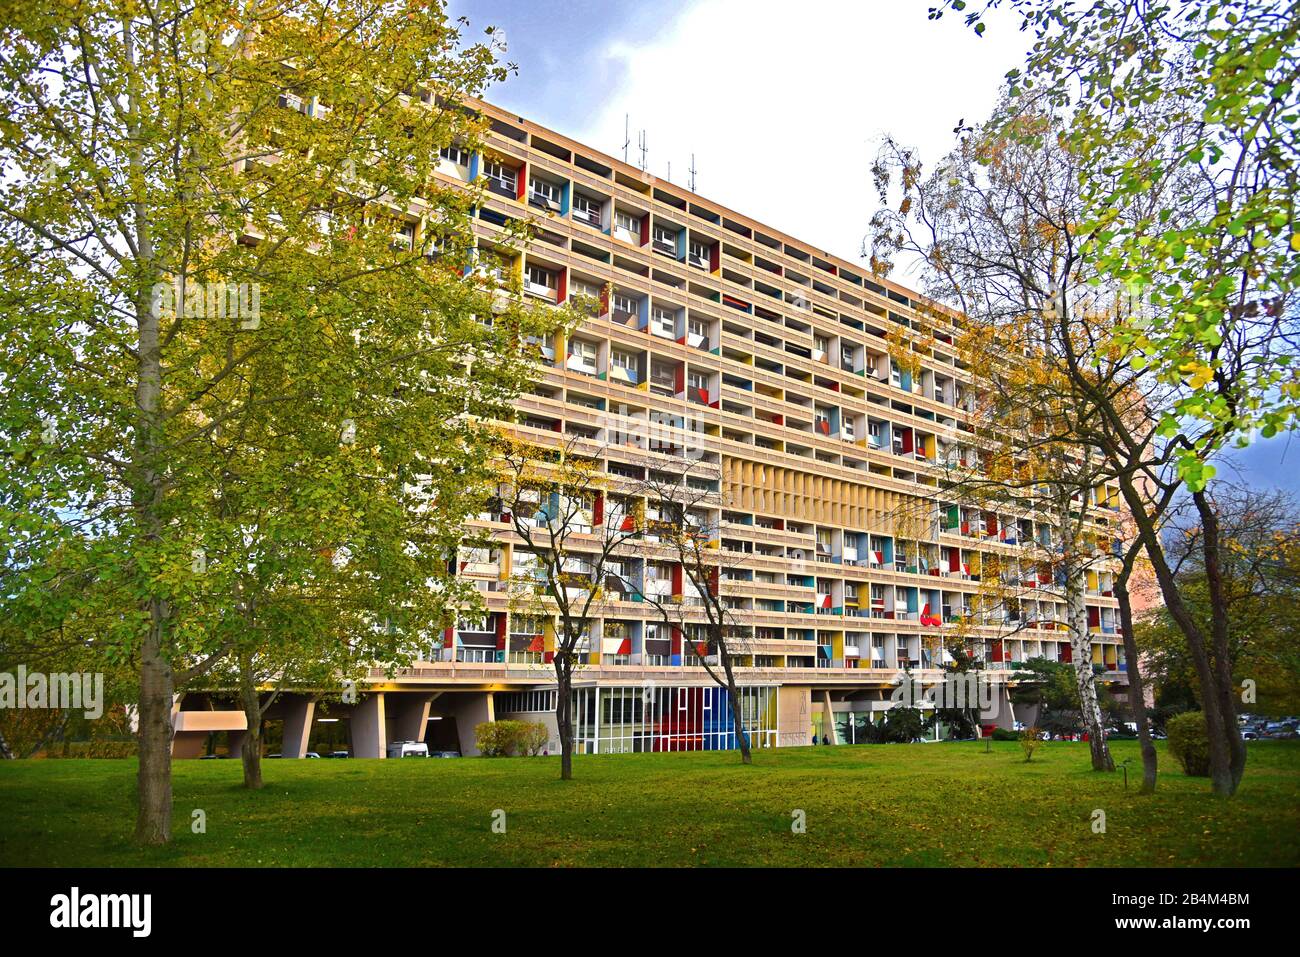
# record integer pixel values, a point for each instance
(1004, 734)
(903, 725)
(1189, 743)
(496, 739)
(533, 738)
(1259, 566)
(273, 480)
(1184, 120)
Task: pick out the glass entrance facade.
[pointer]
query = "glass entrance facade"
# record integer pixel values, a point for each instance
(635, 718)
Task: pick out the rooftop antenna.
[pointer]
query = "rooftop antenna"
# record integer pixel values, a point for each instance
(670, 171)
(692, 172)
(644, 149)
(626, 140)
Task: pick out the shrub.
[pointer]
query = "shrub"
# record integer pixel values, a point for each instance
(106, 748)
(534, 737)
(493, 738)
(496, 739)
(1030, 739)
(1189, 743)
(1003, 734)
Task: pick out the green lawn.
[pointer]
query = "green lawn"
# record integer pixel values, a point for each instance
(917, 805)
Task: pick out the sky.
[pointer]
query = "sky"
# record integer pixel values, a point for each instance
(783, 104)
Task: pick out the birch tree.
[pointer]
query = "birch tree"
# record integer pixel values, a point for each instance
(1181, 129)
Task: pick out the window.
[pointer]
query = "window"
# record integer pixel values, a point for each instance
(664, 322)
(875, 433)
(582, 287)
(622, 360)
(542, 279)
(698, 330)
(846, 358)
(698, 381)
(582, 355)
(821, 343)
(627, 223)
(547, 193)
(586, 209)
(455, 154)
(502, 175)
(665, 240)
(698, 254)
(624, 304)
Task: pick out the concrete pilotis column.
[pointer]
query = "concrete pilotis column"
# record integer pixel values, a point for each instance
(369, 738)
(298, 713)
(470, 710)
(1006, 711)
(410, 715)
(1000, 713)
(828, 720)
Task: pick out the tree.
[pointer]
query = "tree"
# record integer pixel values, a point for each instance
(689, 502)
(991, 225)
(1261, 585)
(224, 243)
(1182, 123)
(573, 526)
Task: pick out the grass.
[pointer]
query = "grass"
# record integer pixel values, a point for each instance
(917, 805)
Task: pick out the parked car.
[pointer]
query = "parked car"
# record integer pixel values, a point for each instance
(339, 754)
(408, 749)
(444, 754)
(311, 754)
(1249, 735)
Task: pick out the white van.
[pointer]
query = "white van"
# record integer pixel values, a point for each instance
(408, 749)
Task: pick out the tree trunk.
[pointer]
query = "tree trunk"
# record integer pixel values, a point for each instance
(53, 731)
(1085, 679)
(153, 823)
(1220, 753)
(157, 685)
(564, 714)
(251, 755)
(737, 712)
(1221, 659)
(1136, 690)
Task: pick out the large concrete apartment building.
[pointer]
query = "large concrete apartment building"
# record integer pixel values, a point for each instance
(766, 364)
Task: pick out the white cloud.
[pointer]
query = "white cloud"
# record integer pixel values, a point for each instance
(784, 103)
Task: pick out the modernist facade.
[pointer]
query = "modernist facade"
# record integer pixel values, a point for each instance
(766, 363)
